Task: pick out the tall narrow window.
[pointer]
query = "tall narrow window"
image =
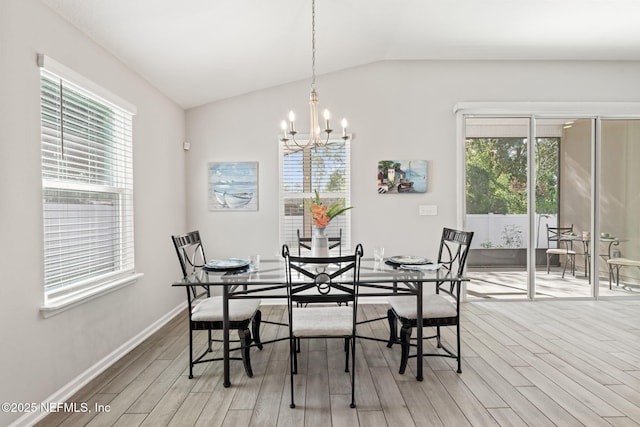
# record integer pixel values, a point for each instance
(324, 169)
(87, 188)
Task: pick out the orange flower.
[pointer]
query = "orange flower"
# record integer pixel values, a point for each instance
(321, 215)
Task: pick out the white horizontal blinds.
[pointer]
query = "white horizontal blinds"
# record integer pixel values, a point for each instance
(87, 187)
(326, 169)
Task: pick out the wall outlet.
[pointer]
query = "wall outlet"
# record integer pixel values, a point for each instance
(428, 210)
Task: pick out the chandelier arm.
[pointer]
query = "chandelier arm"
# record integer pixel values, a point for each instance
(295, 141)
(328, 132)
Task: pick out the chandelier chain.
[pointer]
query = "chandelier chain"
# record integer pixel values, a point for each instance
(313, 43)
(317, 136)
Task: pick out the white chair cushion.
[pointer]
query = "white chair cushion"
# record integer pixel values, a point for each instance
(322, 321)
(433, 306)
(624, 261)
(560, 251)
(210, 309)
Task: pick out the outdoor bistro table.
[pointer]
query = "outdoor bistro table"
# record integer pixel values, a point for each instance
(376, 279)
(586, 241)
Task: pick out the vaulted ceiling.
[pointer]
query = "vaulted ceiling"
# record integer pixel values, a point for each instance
(199, 51)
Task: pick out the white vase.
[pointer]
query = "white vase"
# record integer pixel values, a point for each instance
(319, 243)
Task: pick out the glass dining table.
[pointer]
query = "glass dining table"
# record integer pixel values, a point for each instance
(268, 282)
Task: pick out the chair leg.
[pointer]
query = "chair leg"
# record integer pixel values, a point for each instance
(458, 341)
(610, 275)
(353, 372)
(292, 368)
(255, 328)
(210, 340)
(393, 328)
(346, 358)
(548, 259)
(405, 341)
(296, 350)
(190, 352)
(438, 343)
(245, 342)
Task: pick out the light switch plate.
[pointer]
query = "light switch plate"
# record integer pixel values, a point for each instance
(428, 210)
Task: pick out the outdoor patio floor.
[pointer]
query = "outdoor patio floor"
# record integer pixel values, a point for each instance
(511, 283)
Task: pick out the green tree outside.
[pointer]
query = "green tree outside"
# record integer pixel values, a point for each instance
(496, 175)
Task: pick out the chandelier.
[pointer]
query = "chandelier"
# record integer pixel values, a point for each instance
(317, 137)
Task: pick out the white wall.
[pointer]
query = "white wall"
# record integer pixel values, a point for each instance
(396, 110)
(40, 356)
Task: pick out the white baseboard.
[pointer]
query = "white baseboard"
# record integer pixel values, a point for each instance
(83, 379)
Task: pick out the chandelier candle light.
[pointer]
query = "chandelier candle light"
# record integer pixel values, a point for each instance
(315, 134)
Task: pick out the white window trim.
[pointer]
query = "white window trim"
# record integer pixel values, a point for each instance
(73, 298)
(55, 306)
(67, 73)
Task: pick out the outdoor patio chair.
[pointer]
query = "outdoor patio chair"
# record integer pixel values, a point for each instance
(556, 234)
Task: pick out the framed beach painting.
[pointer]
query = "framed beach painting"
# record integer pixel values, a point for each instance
(233, 186)
(402, 176)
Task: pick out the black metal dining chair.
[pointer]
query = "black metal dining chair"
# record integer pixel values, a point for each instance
(439, 309)
(340, 274)
(205, 311)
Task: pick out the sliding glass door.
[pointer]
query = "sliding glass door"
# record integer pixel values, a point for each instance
(618, 207)
(563, 164)
(557, 218)
(496, 153)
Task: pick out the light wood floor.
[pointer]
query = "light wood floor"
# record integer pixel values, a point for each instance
(538, 363)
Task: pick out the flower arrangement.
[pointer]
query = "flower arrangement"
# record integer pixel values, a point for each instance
(321, 214)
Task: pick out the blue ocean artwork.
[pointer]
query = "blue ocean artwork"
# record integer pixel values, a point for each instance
(233, 186)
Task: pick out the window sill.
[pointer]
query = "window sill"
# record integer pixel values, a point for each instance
(59, 305)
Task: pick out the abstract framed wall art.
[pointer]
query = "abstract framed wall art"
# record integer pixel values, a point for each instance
(402, 176)
(233, 186)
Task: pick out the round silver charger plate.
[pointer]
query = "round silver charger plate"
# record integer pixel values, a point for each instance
(408, 260)
(229, 264)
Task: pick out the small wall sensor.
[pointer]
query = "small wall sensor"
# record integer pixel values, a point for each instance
(186, 145)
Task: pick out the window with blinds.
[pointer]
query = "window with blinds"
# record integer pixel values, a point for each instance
(325, 169)
(87, 188)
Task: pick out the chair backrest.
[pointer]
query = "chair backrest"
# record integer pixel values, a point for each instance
(305, 242)
(454, 248)
(323, 274)
(554, 233)
(190, 251)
